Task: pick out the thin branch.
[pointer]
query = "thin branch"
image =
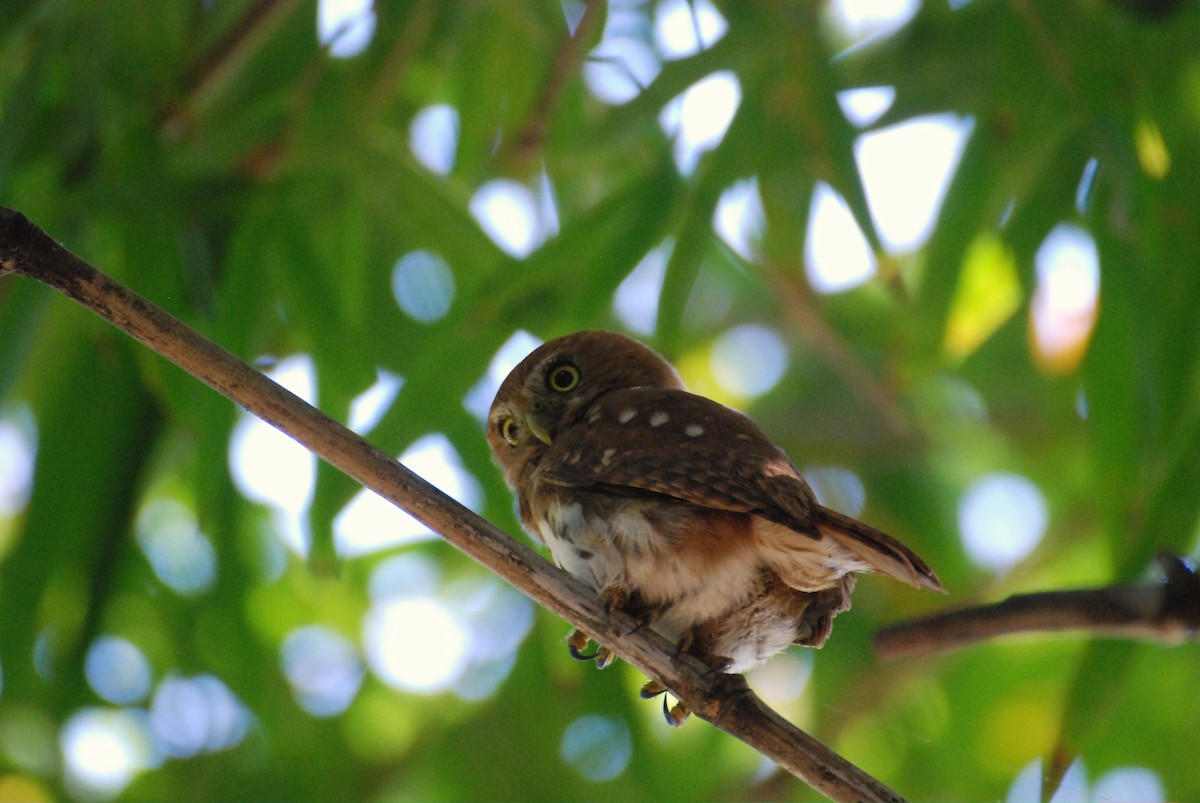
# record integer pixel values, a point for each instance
(839, 356)
(724, 700)
(419, 19)
(1167, 612)
(533, 133)
(217, 66)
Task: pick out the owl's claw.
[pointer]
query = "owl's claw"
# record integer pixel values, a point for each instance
(578, 641)
(645, 619)
(720, 664)
(605, 657)
(614, 599)
(675, 715)
(685, 643)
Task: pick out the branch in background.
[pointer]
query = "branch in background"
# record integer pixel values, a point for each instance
(724, 700)
(1167, 612)
(213, 70)
(419, 19)
(533, 133)
(839, 356)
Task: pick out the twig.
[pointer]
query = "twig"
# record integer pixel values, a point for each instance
(839, 356)
(1166, 612)
(533, 133)
(724, 700)
(419, 19)
(213, 70)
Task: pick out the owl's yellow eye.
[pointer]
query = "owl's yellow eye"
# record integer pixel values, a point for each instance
(563, 378)
(508, 431)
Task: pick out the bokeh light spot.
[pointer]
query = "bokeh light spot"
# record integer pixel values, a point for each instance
(414, 644)
(271, 468)
(864, 106)
(369, 522)
(1002, 517)
(837, 256)
(635, 302)
(433, 137)
(683, 28)
(739, 218)
(508, 212)
(17, 447)
(181, 555)
(404, 575)
(597, 747)
(423, 285)
(862, 19)
(104, 750)
(1130, 783)
(1072, 789)
(117, 670)
(624, 63)
(906, 169)
(699, 117)
(838, 488)
(193, 715)
(749, 360)
(1065, 303)
(497, 619)
(346, 27)
(323, 669)
(369, 406)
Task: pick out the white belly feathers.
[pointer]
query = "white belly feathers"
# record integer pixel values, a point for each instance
(645, 564)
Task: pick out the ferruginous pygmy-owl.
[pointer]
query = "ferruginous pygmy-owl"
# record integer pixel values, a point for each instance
(675, 508)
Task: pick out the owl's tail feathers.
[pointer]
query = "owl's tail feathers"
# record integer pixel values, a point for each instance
(877, 549)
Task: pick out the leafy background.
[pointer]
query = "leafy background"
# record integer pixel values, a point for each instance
(259, 181)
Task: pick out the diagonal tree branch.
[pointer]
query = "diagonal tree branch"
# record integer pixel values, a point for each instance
(1167, 612)
(724, 700)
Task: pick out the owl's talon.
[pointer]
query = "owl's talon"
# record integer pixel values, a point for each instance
(677, 714)
(645, 619)
(581, 656)
(720, 664)
(577, 642)
(614, 599)
(604, 657)
(652, 689)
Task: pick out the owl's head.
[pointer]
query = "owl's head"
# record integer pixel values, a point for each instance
(557, 383)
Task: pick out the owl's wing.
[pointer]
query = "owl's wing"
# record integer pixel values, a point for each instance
(671, 443)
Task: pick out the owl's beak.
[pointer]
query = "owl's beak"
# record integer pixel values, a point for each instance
(538, 426)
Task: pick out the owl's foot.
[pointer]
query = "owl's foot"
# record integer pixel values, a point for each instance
(632, 605)
(614, 599)
(605, 658)
(578, 641)
(675, 715)
(717, 663)
(645, 619)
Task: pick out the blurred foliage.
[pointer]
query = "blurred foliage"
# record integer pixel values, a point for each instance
(218, 159)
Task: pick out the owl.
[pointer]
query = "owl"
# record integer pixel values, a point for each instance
(676, 509)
